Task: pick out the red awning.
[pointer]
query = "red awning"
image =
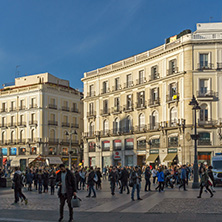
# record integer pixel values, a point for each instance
(4, 161)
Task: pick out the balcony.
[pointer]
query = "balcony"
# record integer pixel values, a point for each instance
(207, 94)
(140, 81)
(33, 106)
(154, 76)
(52, 123)
(12, 125)
(172, 71)
(115, 131)
(140, 106)
(11, 142)
(116, 87)
(116, 109)
(127, 108)
(74, 110)
(65, 124)
(105, 90)
(209, 122)
(91, 94)
(74, 142)
(3, 126)
(127, 130)
(105, 112)
(21, 108)
(173, 123)
(74, 125)
(91, 114)
(4, 142)
(208, 66)
(3, 110)
(173, 143)
(219, 65)
(33, 123)
(105, 132)
(53, 141)
(154, 102)
(21, 141)
(89, 135)
(128, 84)
(154, 126)
(22, 124)
(65, 108)
(52, 106)
(204, 142)
(65, 142)
(172, 98)
(140, 129)
(12, 109)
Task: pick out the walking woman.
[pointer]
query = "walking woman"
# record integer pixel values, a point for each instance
(204, 182)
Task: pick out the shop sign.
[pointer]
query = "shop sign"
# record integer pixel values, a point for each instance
(129, 143)
(13, 151)
(172, 150)
(117, 144)
(154, 151)
(117, 155)
(106, 145)
(4, 151)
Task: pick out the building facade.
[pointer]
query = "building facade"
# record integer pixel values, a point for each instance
(36, 112)
(137, 110)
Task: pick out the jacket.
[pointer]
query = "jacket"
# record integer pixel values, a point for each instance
(204, 179)
(18, 179)
(183, 174)
(134, 176)
(70, 183)
(147, 174)
(113, 176)
(91, 176)
(160, 176)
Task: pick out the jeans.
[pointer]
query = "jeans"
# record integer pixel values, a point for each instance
(18, 193)
(40, 187)
(91, 188)
(137, 187)
(63, 198)
(112, 187)
(147, 184)
(161, 186)
(201, 190)
(183, 184)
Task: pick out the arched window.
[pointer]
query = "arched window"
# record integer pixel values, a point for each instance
(128, 124)
(154, 120)
(173, 117)
(32, 135)
(204, 113)
(105, 127)
(3, 137)
(91, 129)
(141, 121)
(116, 126)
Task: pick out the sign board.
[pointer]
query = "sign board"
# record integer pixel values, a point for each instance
(4, 151)
(13, 151)
(154, 151)
(172, 150)
(106, 145)
(117, 155)
(129, 143)
(117, 144)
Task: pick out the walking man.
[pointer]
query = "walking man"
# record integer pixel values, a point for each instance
(91, 183)
(136, 177)
(147, 178)
(183, 177)
(113, 177)
(124, 180)
(67, 189)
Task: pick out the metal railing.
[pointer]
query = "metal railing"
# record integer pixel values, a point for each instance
(116, 109)
(31, 106)
(74, 110)
(65, 124)
(128, 84)
(91, 94)
(172, 71)
(209, 122)
(172, 98)
(141, 128)
(154, 102)
(141, 105)
(154, 126)
(21, 123)
(203, 142)
(52, 106)
(127, 108)
(74, 125)
(65, 108)
(53, 141)
(11, 109)
(207, 93)
(105, 111)
(91, 114)
(3, 110)
(207, 66)
(52, 123)
(33, 122)
(21, 107)
(116, 87)
(140, 81)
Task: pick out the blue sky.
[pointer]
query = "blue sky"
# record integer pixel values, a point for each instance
(69, 37)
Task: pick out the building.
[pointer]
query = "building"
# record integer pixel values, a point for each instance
(137, 110)
(35, 113)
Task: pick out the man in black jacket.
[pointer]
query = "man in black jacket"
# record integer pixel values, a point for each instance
(113, 177)
(124, 176)
(67, 189)
(91, 182)
(147, 178)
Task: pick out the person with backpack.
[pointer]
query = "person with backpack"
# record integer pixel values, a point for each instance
(91, 182)
(113, 177)
(18, 186)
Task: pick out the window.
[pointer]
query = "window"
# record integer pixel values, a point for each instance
(141, 76)
(65, 119)
(129, 102)
(203, 61)
(128, 124)
(155, 143)
(32, 135)
(129, 81)
(33, 102)
(91, 108)
(52, 117)
(203, 113)
(22, 151)
(64, 151)
(173, 117)
(105, 127)
(204, 86)
(172, 67)
(105, 106)
(154, 73)
(141, 122)
(33, 150)
(21, 136)
(106, 145)
(129, 144)
(154, 121)
(32, 118)
(140, 99)
(173, 141)
(91, 90)
(3, 121)
(91, 129)
(204, 138)
(12, 120)
(3, 107)
(116, 126)
(105, 87)
(116, 104)
(52, 134)
(141, 144)
(3, 137)
(173, 89)
(22, 104)
(12, 136)
(12, 105)
(154, 93)
(21, 119)
(117, 85)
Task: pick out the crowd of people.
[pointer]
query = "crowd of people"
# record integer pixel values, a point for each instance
(121, 179)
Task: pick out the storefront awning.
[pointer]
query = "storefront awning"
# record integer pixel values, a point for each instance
(16, 161)
(152, 157)
(54, 160)
(170, 157)
(4, 161)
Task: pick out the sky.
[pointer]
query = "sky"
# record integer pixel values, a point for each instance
(69, 37)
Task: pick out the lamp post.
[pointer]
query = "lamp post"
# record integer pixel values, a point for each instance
(70, 146)
(195, 137)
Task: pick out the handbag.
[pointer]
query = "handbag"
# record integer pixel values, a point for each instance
(75, 202)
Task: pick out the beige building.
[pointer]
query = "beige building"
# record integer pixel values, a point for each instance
(137, 110)
(35, 114)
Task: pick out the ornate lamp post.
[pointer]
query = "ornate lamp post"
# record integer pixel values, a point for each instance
(195, 137)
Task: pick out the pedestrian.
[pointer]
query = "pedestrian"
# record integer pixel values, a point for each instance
(211, 176)
(67, 189)
(204, 182)
(29, 179)
(40, 180)
(136, 178)
(104, 173)
(45, 181)
(113, 178)
(99, 175)
(18, 186)
(160, 177)
(35, 178)
(124, 177)
(82, 174)
(52, 181)
(91, 183)
(154, 173)
(147, 178)
(183, 177)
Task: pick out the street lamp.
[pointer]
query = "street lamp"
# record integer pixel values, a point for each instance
(195, 137)
(70, 133)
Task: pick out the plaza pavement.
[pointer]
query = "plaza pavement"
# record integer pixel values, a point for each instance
(171, 205)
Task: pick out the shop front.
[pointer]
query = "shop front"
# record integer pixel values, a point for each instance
(106, 161)
(117, 145)
(171, 157)
(65, 161)
(92, 161)
(141, 151)
(204, 157)
(153, 158)
(117, 158)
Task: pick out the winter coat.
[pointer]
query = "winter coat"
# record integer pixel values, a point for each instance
(18, 179)
(52, 179)
(29, 178)
(91, 176)
(113, 176)
(147, 174)
(124, 176)
(45, 179)
(204, 179)
(160, 176)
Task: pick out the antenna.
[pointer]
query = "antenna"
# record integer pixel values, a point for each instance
(17, 71)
